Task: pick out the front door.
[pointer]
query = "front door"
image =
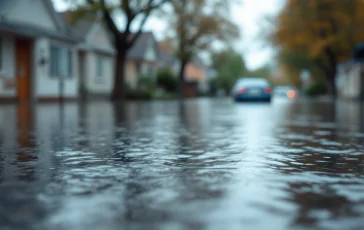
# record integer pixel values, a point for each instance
(23, 57)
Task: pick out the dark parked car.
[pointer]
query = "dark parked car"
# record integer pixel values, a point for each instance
(252, 89)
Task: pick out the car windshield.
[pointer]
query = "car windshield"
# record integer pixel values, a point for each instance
(256, 82)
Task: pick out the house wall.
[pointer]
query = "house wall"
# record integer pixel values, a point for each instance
(99, 46)
(32, 12)
(195, 73)
(348, 82)
(98, 85)
(47, 86)
(131, 74)
(7, 71)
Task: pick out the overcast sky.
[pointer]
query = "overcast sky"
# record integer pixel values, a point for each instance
(249, 16)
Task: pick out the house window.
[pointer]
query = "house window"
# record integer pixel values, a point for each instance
(100, 69)
(61, 61)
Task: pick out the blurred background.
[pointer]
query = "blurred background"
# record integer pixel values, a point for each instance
(181, 114)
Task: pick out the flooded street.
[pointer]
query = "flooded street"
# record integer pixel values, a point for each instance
(202, 164)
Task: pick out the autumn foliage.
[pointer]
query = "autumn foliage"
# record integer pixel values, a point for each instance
(322, 32)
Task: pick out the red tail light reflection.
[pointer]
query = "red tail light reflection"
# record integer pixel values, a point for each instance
(241, 90)
(291, 94)
(268, 90)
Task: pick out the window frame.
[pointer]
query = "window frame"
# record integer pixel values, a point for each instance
(64, 61)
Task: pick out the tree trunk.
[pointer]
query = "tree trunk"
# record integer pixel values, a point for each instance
(331, 75)
(118, 92)
(332, 83)
(181, 77)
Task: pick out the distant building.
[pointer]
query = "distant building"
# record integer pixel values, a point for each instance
(142, 59)
(198, 72)
(167, 59)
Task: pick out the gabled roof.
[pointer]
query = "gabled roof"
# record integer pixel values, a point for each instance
(5, 5)
(33, 30)
(137, 51)
(58, 20)
(80, 25)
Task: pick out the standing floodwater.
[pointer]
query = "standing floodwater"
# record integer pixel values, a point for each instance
(200, 164)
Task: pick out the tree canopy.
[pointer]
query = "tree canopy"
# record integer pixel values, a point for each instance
(322, 32)
(197, 24)
(229, 66)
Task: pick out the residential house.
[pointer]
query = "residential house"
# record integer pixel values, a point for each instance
(37, 54)
(142, 59)
(197, 74)
(96, 54)
(196, 71)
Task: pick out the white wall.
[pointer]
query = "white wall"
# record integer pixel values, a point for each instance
(7, 72)
(131, 75)
(32, 12)
(97, 40)
(348, 81)
(93, 85)
(47, 86)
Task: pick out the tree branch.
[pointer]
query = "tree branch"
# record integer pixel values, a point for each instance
(109, 21)
(151, 5)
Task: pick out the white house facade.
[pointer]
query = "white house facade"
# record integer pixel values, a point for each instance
(348, 80)
(96, 55)
(38, 58)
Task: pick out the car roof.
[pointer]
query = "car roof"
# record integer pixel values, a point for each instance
(285, 87)
(252, 80)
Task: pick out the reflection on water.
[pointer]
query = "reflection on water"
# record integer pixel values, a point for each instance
(197, 164)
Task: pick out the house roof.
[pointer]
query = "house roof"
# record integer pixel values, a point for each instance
(137, 51)
(5, 5)
(33, 30)
(80, 26)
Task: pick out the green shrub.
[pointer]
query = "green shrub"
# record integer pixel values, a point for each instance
(316, 90)
(140, 94)
(167, 80)
(204, 94)
(146, 81)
